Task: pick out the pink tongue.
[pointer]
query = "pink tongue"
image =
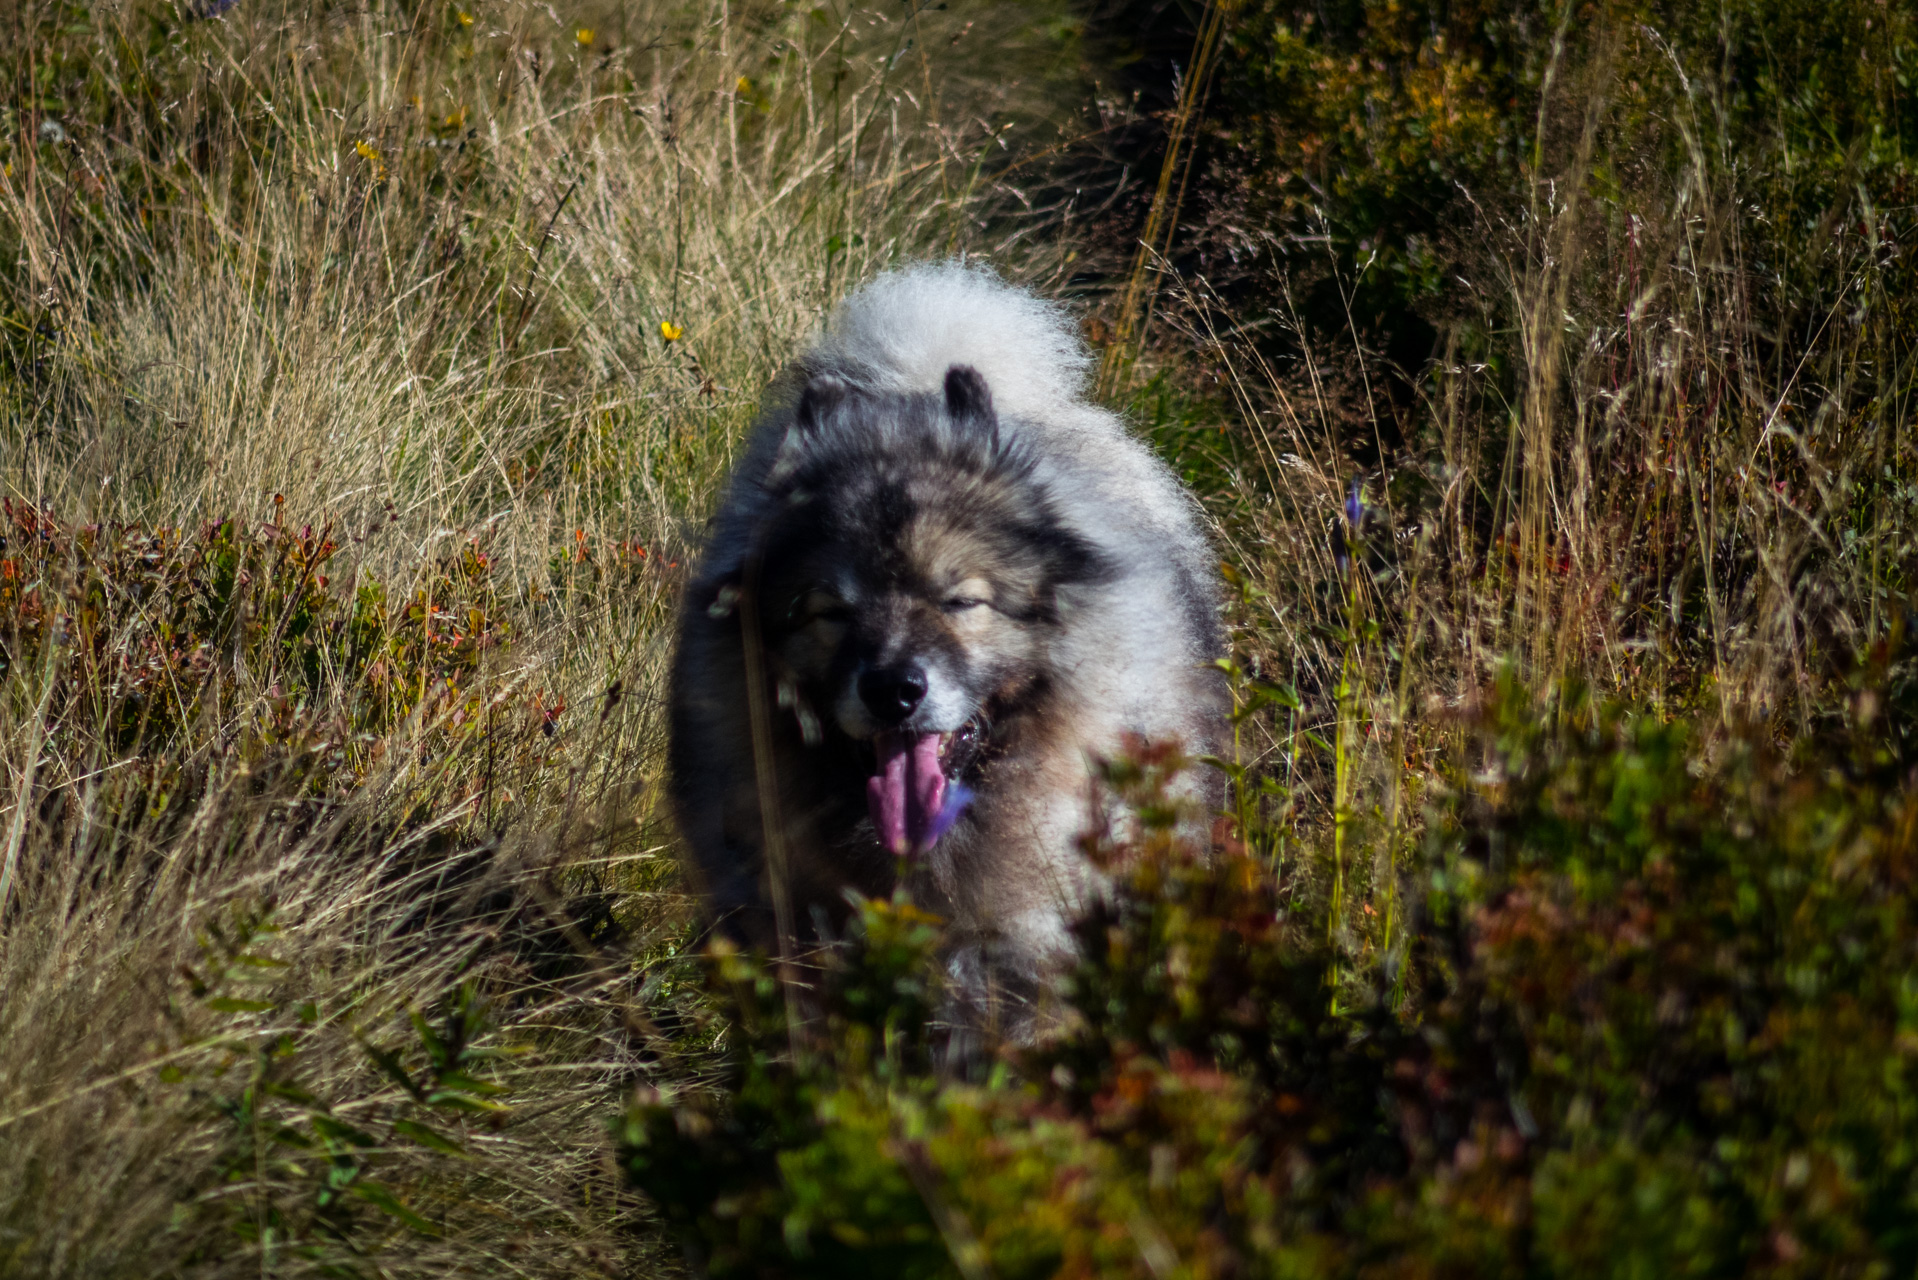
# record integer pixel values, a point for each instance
(908, 790)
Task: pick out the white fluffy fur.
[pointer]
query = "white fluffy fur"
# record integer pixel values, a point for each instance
(1136, 658)
(1133, 653)
(902, 331)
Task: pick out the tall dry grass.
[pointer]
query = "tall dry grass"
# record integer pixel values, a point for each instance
(1662, 455)
(370, 371)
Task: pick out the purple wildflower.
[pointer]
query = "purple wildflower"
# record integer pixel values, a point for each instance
(1345, 535)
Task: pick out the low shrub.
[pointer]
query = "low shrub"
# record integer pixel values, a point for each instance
(1656, 1014)
(281, 955)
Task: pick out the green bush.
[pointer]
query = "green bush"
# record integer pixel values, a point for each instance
(1403, 132)
(1658, 1015)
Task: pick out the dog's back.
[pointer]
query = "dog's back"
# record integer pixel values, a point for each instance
(1121, 646)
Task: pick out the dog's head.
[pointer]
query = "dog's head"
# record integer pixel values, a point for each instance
(909, 581)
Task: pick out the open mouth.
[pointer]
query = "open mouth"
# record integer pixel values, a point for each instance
(913, 797)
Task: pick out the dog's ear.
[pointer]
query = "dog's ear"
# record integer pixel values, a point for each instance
(822, 394)
(969, 399)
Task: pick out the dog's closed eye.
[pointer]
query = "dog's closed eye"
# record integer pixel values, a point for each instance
(973, 593)
(818, 605)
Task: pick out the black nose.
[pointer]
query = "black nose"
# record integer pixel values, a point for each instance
(891, 693)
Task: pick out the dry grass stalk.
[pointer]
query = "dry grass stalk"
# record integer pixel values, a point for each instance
(484, 301)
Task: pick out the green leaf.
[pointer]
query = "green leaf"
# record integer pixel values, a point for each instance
(1251, 707)
(383, 1198)
(287, 1135)
(339, 1131)
(389, 1062)
(290, 1091)
(435, 1047)
(428, 1137)
(228, 1004)
(1229, 768)
(463, 1102)
(1284, 695)
(460, 1082)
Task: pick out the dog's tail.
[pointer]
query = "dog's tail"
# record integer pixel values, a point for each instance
(903, 330)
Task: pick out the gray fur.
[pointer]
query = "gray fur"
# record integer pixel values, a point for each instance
(938, 427)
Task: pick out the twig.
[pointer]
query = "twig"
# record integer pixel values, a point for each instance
(773, 834)
(1129, 333)
(532, 273)
(962, 1246)
(17, 833)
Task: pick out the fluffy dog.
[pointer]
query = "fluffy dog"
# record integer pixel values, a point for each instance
(959, 585)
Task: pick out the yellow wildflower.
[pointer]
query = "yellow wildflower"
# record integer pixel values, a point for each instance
(584, 35)
(670, 331)
(466, 19)
(745, 86)
(371, 154)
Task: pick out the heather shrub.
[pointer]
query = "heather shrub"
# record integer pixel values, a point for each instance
(1653, 1017)
(272, 954)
